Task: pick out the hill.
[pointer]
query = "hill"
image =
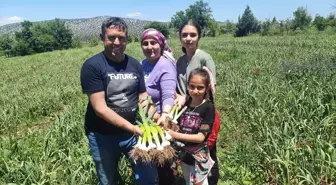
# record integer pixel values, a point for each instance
(84, 28)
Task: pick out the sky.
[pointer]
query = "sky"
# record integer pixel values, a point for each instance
(12, 11)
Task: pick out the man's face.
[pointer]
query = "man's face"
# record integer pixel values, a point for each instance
(115, 41)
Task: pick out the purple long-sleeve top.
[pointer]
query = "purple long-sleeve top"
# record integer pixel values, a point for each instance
(160, 81)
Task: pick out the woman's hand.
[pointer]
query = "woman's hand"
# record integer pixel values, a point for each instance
(162, 120)
(156, 116)
(181, 100)
(151, 106)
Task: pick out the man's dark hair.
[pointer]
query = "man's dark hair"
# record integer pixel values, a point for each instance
(116, 22)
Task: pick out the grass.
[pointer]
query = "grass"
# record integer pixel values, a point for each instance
(276, 96)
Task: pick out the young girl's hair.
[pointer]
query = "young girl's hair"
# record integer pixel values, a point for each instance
(203, 73)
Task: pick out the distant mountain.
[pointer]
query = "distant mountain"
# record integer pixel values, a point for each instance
(85, 28)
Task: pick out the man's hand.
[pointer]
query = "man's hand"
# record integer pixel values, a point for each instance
(136, 130)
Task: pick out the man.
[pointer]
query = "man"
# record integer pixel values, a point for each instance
(114, 83)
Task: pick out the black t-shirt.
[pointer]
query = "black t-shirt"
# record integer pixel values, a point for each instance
(121, 81)
(191, 120)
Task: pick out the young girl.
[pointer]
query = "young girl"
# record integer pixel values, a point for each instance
(195, 124)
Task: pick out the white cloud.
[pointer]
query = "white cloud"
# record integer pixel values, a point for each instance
(134, 14)
(8, 20)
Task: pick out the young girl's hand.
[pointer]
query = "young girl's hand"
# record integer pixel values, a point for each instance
(174, 127)
(171, 133)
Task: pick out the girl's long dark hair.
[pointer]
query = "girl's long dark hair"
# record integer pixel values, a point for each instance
(194, 23)
(203, 73)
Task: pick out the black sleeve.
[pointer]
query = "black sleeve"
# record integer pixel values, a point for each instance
(90, 77)
(208, 116)
(142, 85)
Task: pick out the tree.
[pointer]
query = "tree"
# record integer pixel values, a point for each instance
(76, 42)
(331, 20)
(42, 43)
(302, 18)
(320, 22)
(212, 28)
(41, 37)
(6, 44)
(228, 28)
(23, 45)
(178, 19)
(162, 27)
(61, 33)
(286, 25)
(200, 12)
(25, 34)
(273, 27)
(265, 27)
(21, 48)
(94, 41)
(247, 23)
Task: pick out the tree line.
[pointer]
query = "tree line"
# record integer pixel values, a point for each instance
(301, 23)
(38, 38)
(248, 23)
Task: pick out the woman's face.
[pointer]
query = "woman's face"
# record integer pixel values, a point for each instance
(151, 49)
(189, 37)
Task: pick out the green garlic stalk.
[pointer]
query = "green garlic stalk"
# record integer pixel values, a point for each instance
(178, 115)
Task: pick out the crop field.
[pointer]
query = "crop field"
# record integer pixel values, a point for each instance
(276, 97)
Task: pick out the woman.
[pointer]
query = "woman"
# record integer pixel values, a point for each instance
(190, 34)
(160, 78)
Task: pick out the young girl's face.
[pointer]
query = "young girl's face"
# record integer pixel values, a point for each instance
(197, 87)
(189, 37)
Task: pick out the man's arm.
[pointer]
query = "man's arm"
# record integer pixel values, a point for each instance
(103, 111)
